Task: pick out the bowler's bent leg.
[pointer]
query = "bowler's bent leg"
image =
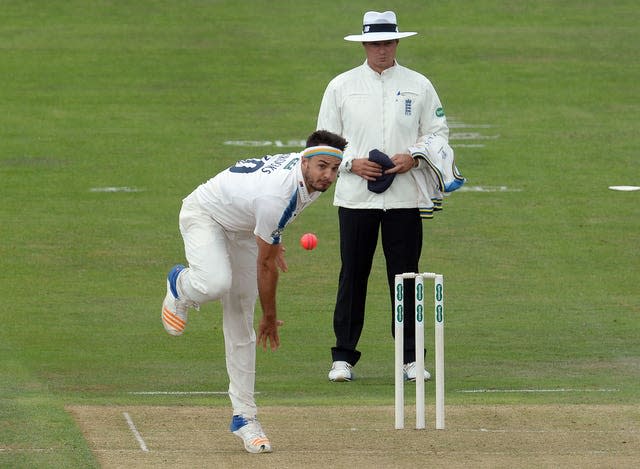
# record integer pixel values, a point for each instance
(208, 275)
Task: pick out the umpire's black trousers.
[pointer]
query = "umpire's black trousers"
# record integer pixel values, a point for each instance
(401, 231)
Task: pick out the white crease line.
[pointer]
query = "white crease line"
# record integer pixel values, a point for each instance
(28, 450)
(553, 430)
(135, 432)
(535, 390)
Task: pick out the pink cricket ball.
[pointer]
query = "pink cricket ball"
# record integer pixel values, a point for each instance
(308, 241)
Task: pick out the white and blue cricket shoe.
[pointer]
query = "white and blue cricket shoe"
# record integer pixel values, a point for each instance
(249, 429)
(174, 310)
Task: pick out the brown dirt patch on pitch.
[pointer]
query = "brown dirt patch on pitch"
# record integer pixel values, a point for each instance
(353, 437)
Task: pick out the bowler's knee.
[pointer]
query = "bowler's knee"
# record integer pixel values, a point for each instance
(213, 287)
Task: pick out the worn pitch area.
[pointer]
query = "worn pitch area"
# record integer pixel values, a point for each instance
(352, 437)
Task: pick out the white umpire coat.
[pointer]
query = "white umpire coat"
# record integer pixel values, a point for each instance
(391, 112)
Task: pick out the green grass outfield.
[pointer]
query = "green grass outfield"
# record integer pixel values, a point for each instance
(542, 274)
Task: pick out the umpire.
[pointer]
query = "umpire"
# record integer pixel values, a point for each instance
(379, 105)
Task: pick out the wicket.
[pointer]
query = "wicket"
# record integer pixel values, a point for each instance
(399, 315)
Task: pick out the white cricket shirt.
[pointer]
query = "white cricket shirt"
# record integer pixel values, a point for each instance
(259, 195)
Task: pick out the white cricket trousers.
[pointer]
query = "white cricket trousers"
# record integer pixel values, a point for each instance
(222, 265)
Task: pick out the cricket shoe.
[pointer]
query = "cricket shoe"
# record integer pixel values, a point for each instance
(174, 309)
(249, 429)
(410, 372)
(341, 371)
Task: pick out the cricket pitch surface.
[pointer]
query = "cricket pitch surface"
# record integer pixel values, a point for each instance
(363, 437)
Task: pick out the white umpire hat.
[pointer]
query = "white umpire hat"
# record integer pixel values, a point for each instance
(378, 26)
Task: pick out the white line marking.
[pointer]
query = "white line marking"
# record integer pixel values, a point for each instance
(471, 136)
(135, 432)
(535, 390)
(511, 430)
(28, 450)
(115, 189)
(180, 393)
(267, 143)
(625, 188)
(487, 189)
(461, 125)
